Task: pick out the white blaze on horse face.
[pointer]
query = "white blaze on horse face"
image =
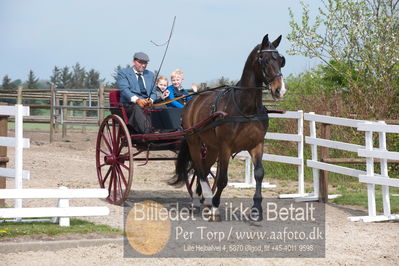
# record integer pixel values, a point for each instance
(283, 90)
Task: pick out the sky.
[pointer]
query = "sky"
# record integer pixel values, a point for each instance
(211, 38)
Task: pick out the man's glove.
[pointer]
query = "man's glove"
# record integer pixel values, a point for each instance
(141, 102)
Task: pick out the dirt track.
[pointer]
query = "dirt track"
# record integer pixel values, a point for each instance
(71, 163)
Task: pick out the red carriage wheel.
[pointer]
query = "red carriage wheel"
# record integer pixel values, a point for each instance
(114, 160)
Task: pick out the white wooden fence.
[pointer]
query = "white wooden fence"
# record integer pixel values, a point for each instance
(62, 211)
(371, 178)
(18, 142)
(366, 151)
(316, 142)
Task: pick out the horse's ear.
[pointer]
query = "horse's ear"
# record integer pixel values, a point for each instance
(277, 41)
(265, 41)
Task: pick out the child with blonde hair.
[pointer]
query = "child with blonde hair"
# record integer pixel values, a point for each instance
(161, 89)
(176, 89)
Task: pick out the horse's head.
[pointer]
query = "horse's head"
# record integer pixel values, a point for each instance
(268, 66)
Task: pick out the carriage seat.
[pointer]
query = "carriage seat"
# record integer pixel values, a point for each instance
(164, 119)
(114, 98)
(116, 107)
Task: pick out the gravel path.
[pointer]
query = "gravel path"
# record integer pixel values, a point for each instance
(71, 163)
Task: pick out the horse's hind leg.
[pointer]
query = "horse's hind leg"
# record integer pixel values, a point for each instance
(221, 181)
(195, 152)
(256, 155)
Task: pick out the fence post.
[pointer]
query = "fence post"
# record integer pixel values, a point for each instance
(301, 168)
(3, 152)
(63, 203)
(19, 95)
(71, 112)
(52, 112)
(100, 104)
(313, 147)
(384, 172)
(370, 172)
(84, 115)
(64, 112)
(18, 151)
(324, 154)
(249, 171)
(57, 111)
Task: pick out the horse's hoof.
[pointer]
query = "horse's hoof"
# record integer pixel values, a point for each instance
(195, 209)
(195, 205)
(211, 214)
(257, 218)
(207, 209)
(256, 215)
(214, 218)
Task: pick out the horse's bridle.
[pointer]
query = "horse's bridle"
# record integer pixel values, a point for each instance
(266, 80)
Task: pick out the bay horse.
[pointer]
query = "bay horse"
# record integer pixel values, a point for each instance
(263, 66)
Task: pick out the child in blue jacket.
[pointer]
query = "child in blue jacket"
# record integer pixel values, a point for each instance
(176, 89)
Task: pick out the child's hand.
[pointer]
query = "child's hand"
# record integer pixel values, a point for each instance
(165, 94)
(194, 87)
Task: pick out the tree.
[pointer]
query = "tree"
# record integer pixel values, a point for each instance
(225, 81)
(65, 78)
(115, 76)
(10, 85)
(55, 79)
(32, 82)
(93, 79)
(6, 85)
(78, 76)
(358, 42)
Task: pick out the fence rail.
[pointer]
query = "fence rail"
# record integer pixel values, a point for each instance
(62, 212)
(60, 106)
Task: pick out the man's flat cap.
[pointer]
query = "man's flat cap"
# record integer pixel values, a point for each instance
(141, 56)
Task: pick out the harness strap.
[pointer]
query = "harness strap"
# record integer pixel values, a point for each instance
(231, 119)
(215, 103)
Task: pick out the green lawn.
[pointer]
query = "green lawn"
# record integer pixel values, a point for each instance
(12, 229)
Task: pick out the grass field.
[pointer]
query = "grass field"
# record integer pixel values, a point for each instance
(11, 229)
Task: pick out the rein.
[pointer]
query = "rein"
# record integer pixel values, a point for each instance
(231, 119)
(207, 90)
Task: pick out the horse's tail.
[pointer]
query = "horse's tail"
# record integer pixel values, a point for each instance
(182, 164)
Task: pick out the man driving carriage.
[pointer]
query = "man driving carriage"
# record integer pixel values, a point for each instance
(136, 85)
(138, 91)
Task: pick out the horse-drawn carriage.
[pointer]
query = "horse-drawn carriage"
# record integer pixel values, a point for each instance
(216, 124)
(117, 148)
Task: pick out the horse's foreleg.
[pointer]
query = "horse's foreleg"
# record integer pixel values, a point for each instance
(256, 155)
